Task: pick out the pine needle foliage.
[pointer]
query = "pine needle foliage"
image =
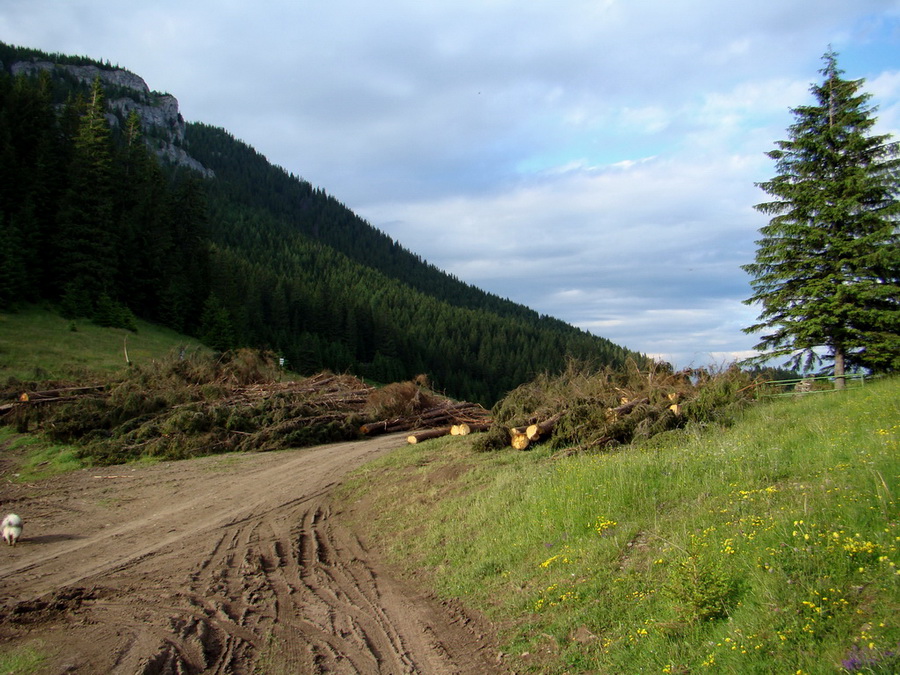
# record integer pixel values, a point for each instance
(398, 399)
(827, 268)
(198, 404)
(600, 409)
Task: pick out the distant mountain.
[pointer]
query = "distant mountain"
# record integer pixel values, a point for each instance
(163, 124)
(194, 229)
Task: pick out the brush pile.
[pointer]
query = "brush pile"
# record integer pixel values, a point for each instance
(195, 404)
(199, 405)
(407, 406)
(583, 410)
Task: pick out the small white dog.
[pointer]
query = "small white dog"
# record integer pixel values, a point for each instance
(12, 529)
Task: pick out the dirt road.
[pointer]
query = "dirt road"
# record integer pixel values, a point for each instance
(228, 564)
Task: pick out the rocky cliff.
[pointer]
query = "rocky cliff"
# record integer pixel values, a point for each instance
(162, 122)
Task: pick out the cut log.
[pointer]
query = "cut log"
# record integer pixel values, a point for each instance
(625, 408)
(675, 408)
(466, 428)
(518, 440)
(54, 393)
(384, 426)
(34, 402)
(412, 439)
(445, 413)
(535, 432)
(477, 426)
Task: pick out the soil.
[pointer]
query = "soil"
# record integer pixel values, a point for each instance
(228, 564)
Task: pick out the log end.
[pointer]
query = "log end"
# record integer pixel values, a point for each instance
(519, 441)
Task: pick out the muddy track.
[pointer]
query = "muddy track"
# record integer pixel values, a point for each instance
(231, 564)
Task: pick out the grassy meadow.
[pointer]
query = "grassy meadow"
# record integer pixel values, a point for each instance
(767, 547)
(37, 344)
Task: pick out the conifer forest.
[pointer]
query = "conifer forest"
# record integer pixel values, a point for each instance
(99, 225)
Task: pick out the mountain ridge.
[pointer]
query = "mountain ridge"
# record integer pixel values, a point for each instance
(158, 111)
(286, 266)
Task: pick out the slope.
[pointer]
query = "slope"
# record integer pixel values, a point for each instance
(769, 546)
(239, 253)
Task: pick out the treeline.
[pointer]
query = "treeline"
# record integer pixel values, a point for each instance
(304, 275)
(246, 177)
(92, 222)
(88, 218)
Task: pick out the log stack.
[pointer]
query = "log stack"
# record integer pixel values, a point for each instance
(522, 437)
(445, 414)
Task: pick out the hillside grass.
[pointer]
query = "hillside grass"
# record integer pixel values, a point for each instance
(769, 546)
(37, 344)
(28, 457)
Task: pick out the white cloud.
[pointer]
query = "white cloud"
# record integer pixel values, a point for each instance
(594, 160)
(602, 249)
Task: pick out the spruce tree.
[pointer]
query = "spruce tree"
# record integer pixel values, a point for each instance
(827, 268)
(86, 242)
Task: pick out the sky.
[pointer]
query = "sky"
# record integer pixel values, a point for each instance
(595, 160)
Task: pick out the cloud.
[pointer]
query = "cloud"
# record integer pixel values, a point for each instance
(593, 159)
(600, 247)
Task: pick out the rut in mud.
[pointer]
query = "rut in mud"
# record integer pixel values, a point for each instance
(228, 564)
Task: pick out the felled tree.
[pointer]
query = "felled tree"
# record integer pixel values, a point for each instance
(827, 268)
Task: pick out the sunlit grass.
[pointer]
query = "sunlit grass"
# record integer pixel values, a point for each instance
(21, 660)
(37, 344)
(718, 550)
(37, 457)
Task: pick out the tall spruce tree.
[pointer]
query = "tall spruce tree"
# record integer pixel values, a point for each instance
(86, 242)
(827, 269)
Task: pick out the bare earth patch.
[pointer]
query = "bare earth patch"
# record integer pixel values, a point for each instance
(226, 564)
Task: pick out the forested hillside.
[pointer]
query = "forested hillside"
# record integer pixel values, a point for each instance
(96, 223)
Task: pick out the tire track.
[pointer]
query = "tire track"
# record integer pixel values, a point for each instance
(232, 565)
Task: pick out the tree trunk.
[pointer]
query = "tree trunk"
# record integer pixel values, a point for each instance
(412, 439)
(625, 408)
(536, 431)
(518, 439)
(839, 368)
(467, 428)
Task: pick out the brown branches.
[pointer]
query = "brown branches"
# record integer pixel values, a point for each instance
(442, 414)
(31, 398)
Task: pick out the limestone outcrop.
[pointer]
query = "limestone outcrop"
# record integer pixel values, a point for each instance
(161, 120)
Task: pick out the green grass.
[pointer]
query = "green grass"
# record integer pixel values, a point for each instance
(36, 344)
(21, 660)
(39, 345)
(771, 546)
(37, 457)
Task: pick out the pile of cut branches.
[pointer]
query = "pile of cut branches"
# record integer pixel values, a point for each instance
(588, 410)
(407, 406)
(192, 405)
